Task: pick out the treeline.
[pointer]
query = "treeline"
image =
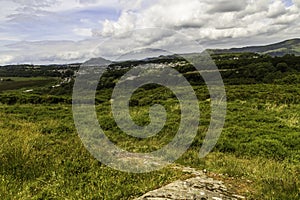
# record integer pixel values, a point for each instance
(261, 69)
(38, 71)
(249, 68)
(235, 68)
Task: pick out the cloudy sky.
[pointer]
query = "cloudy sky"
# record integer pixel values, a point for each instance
(66, 31)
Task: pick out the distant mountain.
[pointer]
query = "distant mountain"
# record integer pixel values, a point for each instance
(278, 49)
(97, 62)
(149, 55)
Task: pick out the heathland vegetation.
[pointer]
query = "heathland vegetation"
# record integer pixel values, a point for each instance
(42, 157)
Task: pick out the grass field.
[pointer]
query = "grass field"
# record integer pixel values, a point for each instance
(16, 83)
(258, 154)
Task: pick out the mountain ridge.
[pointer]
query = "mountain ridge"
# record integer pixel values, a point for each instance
(290, 46)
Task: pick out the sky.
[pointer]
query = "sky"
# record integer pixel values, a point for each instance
(68, 31)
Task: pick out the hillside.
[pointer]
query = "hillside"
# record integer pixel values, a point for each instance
(42, 155)
(291, 46)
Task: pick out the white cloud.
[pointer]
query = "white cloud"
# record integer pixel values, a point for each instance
(125, 23)
(256, 6)
(227, 6)
(174, 14)
(5, 59)
(219, 23)
(36, 3)
(46, 52)
(83, 31)
(277, 8)
(209, 20)
(287, 19)
(297, 3)
(58, 5)
(7, 8)
(131, 4)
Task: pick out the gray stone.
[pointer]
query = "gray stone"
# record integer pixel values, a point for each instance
(200, 187)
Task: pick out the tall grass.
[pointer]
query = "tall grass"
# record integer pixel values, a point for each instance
(42, 157)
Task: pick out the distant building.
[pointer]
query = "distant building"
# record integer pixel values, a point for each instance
(28, 91)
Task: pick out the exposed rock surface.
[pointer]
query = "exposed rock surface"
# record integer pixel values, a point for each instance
(199, 187)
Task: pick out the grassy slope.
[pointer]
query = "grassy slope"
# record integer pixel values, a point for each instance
(41, 156)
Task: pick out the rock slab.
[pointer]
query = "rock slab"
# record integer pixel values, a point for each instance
(197, 188)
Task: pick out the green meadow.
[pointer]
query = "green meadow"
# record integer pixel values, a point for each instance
(257, 155)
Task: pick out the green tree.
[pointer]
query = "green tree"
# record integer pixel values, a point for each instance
(283, 67)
